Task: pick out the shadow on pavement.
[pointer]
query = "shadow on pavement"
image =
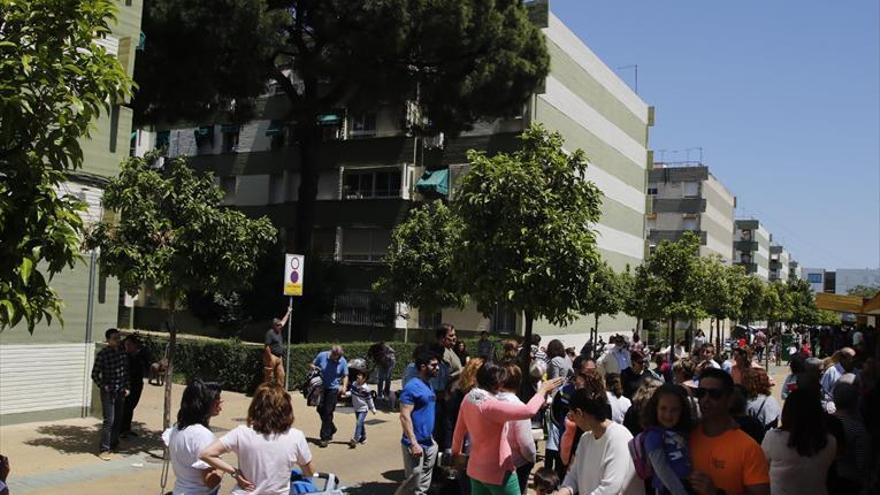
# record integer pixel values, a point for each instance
(395, 475)
(373, 488)
(72, 439)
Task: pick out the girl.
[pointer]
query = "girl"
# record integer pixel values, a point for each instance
(666, 419)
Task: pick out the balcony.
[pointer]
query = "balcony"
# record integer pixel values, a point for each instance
(747, 246)
(679, 205)
(656, 236)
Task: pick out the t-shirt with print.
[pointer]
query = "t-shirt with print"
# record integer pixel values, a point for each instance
(674, 446)
(733, 460)
(331, 371)
(419, 394)
(184, 447)
(266, 460)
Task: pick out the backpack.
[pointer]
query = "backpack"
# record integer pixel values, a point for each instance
(640, 457)
(312, 388)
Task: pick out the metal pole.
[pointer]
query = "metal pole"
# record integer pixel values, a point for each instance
(90, 308)
(287, 364)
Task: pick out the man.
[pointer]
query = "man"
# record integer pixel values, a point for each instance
(110, 374)
(608, 362)
(724, 457)
(334, 374)
(417, 402)
(385, 358)
(139, 361)
(446, 338)
(845, 362)
(621, 353)
(602, 463)
(485, 347)
(450, 369)
(706, 356)
(273, 352)
(632, 377)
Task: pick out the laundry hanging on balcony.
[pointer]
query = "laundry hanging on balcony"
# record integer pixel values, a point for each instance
(434, 182)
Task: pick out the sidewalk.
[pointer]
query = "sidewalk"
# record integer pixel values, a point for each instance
(60, 456)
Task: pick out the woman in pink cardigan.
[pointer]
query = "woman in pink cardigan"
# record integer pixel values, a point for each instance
(482, 416)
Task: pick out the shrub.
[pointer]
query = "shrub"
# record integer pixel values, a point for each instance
(238, 365)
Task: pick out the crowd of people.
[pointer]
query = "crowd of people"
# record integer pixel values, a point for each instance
(617, 418)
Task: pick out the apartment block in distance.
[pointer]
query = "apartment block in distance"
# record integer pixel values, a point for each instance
(372, 172)
(46, 375)
(690, 198)
(780, 261)
(751, 247)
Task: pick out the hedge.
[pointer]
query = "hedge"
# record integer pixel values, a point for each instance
(238, 365)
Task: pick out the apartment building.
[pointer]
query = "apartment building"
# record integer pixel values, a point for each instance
(690, 198)
(46, 375)
(371, 173)
(780, 261)
(751, 247)
(794, 271)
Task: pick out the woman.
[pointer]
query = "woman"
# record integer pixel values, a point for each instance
(632, 418)
(200, 402)
(483, 417)
(465, 383)
(268, 447)
(558, 364)
(519, 432)
(801, 451)
(761, 404)
(592, 382)
(461, 351)
(619, 403)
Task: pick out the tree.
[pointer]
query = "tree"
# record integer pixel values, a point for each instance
(457, 60)
(671, 282)
(175, 235)
(527, 240)
(55, 80)
(777, 304)
(803, 302)
(605, 295)
(421, 272)
(866, 291)
(827, 318)
(754, 295)
(722, 292)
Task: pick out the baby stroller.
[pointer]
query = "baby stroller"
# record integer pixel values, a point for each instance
(313, 388)
(319, 483)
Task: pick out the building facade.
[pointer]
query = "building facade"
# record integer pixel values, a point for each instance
(751, 247)
(372, 172)
(46, 375)
(690, 198)
(794, 271)
(780, 263)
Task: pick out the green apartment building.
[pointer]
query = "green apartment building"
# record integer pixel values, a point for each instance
(372, 173)
(46, 375)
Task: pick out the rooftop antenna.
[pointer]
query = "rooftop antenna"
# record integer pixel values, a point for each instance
(635, 68)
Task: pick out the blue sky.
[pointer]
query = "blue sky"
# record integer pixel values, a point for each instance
(783, 96)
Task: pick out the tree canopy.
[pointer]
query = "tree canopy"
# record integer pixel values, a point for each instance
(671, 282)
(174, 235)
(55, 80)
(606, 294)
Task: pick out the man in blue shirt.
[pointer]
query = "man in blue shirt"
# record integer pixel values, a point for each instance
(417, 419)
(334, 374)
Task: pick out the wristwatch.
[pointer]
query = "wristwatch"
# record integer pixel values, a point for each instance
(236, 473)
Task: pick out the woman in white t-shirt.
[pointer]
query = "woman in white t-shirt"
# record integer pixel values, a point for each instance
(801, 451)
(619, 404)
(267, 448)
(190, 435)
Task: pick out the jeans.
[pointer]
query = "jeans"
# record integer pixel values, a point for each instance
(360, 431)
(112, 406)
(422, 469)
(131, 403)
(510, 486)
(522, 474)
(384, 378)
(325, 411)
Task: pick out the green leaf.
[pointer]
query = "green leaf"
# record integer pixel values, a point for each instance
(27, 265)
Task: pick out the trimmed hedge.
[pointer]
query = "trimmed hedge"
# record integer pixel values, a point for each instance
(239, 366)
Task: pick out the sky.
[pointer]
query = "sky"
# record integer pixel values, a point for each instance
(783, 96)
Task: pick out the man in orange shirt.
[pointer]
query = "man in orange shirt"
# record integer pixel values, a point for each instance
(726, 460)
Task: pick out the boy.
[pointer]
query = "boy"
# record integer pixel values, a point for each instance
(361, 401)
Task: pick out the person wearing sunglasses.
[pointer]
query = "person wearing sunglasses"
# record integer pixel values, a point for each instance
(725, 459)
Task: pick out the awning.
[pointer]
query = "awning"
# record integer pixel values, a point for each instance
(434, 182)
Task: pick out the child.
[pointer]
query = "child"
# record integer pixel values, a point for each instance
(361, 401)
(666, 419)
(546, 481)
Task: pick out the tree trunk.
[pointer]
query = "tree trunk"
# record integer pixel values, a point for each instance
(596, 327)
(671, 340)
(308, 136)
(169, 370)
(525, 359)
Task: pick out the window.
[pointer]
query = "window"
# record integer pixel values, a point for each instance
(691, 189)
(362, 308)
(503, 320)
(276, 188)
(230, 138)
(815, 278)
(363, 125)
(324, 243)
(746, 235)
(114, 127)
(690, 223)
(368, 245)
(428, 319)
(652, 191)
(361, 184)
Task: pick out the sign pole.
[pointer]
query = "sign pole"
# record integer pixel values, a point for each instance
(289, 343)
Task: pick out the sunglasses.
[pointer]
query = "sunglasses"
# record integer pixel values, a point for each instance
(714, 393)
